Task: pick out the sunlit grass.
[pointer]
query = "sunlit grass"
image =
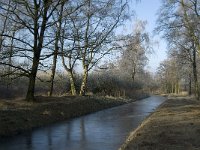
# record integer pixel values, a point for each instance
(175, 126)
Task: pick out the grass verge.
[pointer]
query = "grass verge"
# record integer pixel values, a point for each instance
(17, 116)
(175, 125)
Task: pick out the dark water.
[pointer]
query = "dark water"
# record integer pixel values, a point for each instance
(104, 130)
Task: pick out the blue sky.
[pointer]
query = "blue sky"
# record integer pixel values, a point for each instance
(146, 10)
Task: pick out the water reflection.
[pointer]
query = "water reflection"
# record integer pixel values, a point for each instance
(105, 130)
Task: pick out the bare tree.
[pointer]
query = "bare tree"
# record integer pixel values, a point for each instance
(59, 15)
(33, 16)
(179, 21)
(96, 22)
(65, 40)
(169, 76)
(135, 50)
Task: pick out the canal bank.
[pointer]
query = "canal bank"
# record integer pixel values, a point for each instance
(103, 130)
(175, 125)
(17, 116)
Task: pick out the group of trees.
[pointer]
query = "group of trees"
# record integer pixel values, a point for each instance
(127, 74)
(37, 35)
(179, 22)
(134, 54)
(169, 75)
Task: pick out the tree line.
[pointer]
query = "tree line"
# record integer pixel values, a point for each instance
(37, 36)
(179, 23)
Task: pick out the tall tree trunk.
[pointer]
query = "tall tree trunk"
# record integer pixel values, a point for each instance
(134, 72)
(10, 60)
(38, 44)
(32, 77)
(196, 84)
(53, 70)
(196, 47)
(190, 84)
(172, 88)
(177, 87)
(84, 82)
(71, 76)
(72, 82)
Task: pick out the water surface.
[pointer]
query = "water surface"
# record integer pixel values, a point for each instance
(104, 130)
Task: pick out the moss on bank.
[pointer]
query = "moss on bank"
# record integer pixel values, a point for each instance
(18, 116)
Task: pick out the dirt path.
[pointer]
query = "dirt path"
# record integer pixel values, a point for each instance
(174, 126)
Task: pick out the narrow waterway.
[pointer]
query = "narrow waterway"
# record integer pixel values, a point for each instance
(104, 130)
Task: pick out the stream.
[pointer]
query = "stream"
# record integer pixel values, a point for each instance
(103, 130)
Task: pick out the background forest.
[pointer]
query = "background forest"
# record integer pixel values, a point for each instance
(179, 24)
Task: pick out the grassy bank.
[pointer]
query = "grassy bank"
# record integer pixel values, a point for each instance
(18, 116)
(174, 126)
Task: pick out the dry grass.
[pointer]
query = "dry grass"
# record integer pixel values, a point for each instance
(174, 126)
(18, 115)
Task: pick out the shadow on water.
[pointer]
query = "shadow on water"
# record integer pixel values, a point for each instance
(104, 130)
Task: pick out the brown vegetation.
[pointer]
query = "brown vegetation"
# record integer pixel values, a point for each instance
(18, 115)
(175, 126)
